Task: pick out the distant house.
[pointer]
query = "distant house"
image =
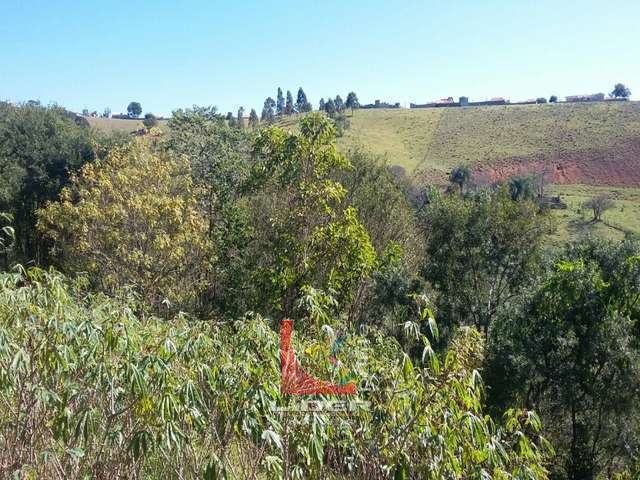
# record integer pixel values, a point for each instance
(594, 97)
(380, 104)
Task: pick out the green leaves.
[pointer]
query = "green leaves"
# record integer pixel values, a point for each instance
(147, 396)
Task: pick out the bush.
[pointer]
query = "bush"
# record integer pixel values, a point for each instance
(150, 120)
(91, 390)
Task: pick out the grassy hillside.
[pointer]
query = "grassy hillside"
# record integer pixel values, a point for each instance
(578, 143)
(575, 221)
(118, 124)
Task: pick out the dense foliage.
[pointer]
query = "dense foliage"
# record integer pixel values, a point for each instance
(155, 352)
(132, 219)
(89, 389)
(40, 147)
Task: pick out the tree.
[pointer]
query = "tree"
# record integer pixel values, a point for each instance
(339, 103)
(310, 238)
(231, 121)
(330, 107)
(523, 188)
(599, 204)
(134, 109)
(106, 113)
(150, 120)
(620, 91)
(253, 119)
(460, 176)
(219, 159)
(289, 107)
(240, 123)
(133, 219)
(40, 149)
(553, 99)
(302, 104)
(352, 102)
(541, 100)
(280, 105)
(267, 110)
(482, 252)
(321, 105)
(571, 353)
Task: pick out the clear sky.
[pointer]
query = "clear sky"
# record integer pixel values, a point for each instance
(169, 54)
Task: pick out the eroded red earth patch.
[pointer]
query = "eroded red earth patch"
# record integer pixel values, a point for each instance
(613, 167)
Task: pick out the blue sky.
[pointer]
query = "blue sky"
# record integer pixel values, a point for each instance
(170, 54)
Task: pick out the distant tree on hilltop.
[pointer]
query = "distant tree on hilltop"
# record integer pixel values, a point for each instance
(280, 106)
(134, 109)
(267, 109)
(253, 119)
(240, 123)
(330, 107)
(339, 103)
(553, 99)
(541, 100)
(230, 119)
(289, 108)
(321, 105)
(352, 101)
(302, 104)
(620, 91)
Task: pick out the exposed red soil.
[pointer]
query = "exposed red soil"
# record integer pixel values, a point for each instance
(619, 166)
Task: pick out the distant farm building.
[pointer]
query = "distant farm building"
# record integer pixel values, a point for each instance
(379, 104)
(594, 97)
(462, 102)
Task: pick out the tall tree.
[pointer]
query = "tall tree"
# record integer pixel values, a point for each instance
(482, 253)
(231, 121)
(289, 107)
(620, 91)
(253, 118)
(267, 110)
(134, 109)
(571, 353)
(339, 103)
(321, 105)
(40, 149)
(133, 219)
(330, 107)
(314, 241)
(280, 105)
(352, 101)
(240, 123)
(302, 104)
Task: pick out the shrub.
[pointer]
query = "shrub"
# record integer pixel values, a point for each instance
(90, 390)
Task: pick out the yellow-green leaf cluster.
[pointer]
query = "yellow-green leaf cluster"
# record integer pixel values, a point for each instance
(132, 218)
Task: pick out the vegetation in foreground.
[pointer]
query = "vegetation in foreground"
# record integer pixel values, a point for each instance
(154, 351)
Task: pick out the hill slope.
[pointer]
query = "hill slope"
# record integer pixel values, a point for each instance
(594, 144)
(576, 143)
